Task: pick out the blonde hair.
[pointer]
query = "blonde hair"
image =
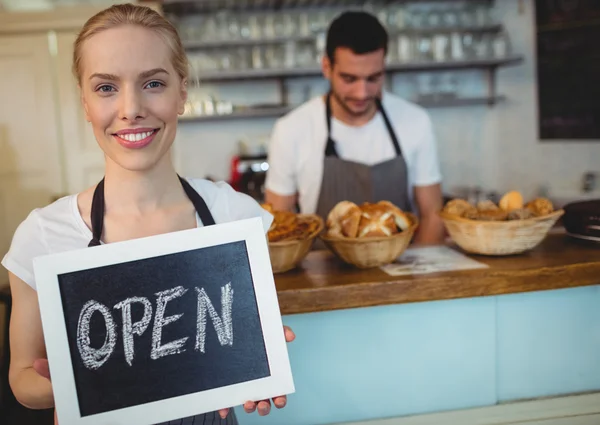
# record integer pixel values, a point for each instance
(129, 14)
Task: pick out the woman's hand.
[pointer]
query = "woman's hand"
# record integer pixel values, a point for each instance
(264, 406)
(43, 369)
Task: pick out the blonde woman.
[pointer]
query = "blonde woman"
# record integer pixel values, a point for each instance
(132, 72)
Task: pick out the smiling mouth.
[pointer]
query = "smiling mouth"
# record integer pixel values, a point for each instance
(136, 137)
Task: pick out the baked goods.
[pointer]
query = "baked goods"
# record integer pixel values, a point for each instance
(288, 226)
(344, 219)
(348, 220)
(459, 207)
(510, 207)
(540, 206)
(512, 200)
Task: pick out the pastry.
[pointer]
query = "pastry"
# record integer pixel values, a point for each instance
(459, 207)
(402, 220)
(512, 200)
(349, 220)
(520, 214)
(289, 226)
(344, 219)
(540, 206)
(492, 215)
(487, 205)
(376, 220)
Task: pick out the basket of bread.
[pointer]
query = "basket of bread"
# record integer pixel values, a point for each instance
(368, 235)
(507, 228)
(290, 237)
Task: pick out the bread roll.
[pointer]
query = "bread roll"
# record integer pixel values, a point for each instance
(540, 206)
(459, 207)
(520, 214)
(402, 220)
(512, 200)
(376, 220)
(344, 218)
(487, 205)
(492, 215)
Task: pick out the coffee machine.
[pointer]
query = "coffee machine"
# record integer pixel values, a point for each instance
(248, 170)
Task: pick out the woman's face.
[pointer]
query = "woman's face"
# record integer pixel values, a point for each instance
(132, 95)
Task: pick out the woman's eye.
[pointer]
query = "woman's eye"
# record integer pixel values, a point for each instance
(154, 84)
(105, 89)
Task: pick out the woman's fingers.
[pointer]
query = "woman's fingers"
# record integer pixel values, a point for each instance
(249, 406)
(289, 334)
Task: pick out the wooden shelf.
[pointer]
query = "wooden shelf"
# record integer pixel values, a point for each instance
(468, 101)
(191, 46)
(200, 45)
(279, 111)
(249, 113)
(253, 74)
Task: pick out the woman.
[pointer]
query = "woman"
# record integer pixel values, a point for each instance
(132, 73)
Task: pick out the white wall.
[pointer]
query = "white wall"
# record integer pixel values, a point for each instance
(496, 148)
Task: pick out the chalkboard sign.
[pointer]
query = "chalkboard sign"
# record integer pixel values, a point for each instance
(155, 329)
(568, 66)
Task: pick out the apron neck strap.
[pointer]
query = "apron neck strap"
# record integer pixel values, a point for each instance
(389, 127)
(330, 146)
(98, 209)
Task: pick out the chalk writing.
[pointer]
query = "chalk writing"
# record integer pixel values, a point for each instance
(130, 329)
(176, 346)
(223, 325)
(93, 358)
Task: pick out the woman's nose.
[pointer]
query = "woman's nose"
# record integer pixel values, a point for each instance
(131, 108)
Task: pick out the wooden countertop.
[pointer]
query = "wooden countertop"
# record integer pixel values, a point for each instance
(325, 283)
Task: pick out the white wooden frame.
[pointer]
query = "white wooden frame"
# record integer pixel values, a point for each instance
(48, 268)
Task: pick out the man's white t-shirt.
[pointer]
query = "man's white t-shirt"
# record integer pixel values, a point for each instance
(297, 147)
(59, 226)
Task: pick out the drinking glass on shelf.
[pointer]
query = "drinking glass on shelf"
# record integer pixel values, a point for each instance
(268, 25)
(441, 47)
(424, 48)
(254, 25)
(450, 18)
(274, 56)
(404, 48)
(501, 44)
(303, 23)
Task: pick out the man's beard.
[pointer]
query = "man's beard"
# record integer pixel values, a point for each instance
(352, 112)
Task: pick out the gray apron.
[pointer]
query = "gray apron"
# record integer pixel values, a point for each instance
(352, 181)
(97, 219)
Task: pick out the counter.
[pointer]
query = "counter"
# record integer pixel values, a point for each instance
(324, 283)
(372, 346)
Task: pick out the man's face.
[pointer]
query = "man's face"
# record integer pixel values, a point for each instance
(356, 80)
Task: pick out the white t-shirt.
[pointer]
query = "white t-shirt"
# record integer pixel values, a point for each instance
(59, 226)
(297, 147)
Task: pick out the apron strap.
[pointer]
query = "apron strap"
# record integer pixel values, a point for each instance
(199, 203)
(390, 129)
(97, 213)
(330, 146)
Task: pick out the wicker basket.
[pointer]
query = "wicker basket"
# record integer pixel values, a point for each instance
(499, 237)
(371, 252)
(286, 255)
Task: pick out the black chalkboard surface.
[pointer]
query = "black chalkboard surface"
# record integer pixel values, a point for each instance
(568, 65)
(180, 291)
(151, 330)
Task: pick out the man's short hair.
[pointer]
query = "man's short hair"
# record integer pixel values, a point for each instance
(358, 31)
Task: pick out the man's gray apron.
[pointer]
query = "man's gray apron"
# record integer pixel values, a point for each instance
(352, 181)
(97, 219)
